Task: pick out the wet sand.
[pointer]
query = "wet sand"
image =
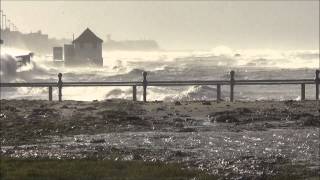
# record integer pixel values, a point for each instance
(232, 140)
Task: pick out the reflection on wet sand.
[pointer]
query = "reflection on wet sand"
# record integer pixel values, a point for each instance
(244, 139)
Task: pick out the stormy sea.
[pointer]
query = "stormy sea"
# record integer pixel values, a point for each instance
(214, 64)
(247, 139)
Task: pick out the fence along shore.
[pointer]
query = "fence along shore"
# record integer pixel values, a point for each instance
(232, 82)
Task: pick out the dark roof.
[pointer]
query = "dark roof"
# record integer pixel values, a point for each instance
(88, 36)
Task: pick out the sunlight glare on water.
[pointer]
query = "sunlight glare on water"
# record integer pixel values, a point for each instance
(214, 64)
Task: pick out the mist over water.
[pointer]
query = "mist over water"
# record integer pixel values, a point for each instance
(214, 64)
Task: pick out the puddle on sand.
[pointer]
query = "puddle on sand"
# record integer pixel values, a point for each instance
(244, 153)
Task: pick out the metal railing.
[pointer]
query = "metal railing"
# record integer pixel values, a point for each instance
(232, 82)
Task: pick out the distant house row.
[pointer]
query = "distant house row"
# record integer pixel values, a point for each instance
(36, 42)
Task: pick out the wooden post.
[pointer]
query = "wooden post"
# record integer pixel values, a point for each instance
(60, 86)
(50, 93)
(145, 82)
(317, 79)
(134, 93)
(218, 92)
(231, 85)
(303, 92)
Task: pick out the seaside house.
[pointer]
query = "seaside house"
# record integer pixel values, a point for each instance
(84, 50)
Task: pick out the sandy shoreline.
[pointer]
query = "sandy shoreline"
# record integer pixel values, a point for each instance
(242, 139)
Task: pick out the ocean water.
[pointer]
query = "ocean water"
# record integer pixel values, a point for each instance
(214, 64)
(211, 148)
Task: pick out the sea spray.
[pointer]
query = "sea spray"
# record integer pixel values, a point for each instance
(8, 67)
(172, 66)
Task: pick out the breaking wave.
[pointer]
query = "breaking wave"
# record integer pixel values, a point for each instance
(8, 66)
(197, 93)
(164, 65)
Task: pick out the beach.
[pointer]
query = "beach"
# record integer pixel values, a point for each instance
(254, 139)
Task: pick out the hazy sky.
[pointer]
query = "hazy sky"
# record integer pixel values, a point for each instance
(178, 24)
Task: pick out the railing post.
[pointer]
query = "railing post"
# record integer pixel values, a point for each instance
(50, 93)
(60, 86)
(303, 92)
(218, 92)
(145, 82)
(134, 93)
(317, 80)
(231, 85)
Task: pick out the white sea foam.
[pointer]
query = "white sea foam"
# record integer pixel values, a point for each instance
(168, 65)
